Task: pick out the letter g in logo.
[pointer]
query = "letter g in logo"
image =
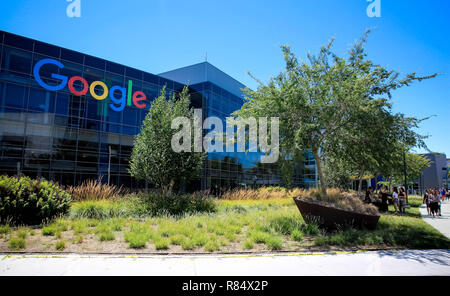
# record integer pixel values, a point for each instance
(38, 66)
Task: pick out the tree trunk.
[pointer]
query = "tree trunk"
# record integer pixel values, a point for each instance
(361, 174)
(323, 186)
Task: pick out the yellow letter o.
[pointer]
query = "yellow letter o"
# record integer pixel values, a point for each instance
(92, 90)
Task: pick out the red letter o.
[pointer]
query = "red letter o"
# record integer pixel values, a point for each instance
(73, 90)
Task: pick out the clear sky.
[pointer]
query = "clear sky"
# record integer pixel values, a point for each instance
(245, 35)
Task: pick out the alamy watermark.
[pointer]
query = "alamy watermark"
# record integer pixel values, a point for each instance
(374, 8)
(74, 8)
(235, 133)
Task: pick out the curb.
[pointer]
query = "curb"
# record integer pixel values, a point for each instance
(18, 255)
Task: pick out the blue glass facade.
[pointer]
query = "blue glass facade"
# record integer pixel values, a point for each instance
(68, 138)
(220, 96)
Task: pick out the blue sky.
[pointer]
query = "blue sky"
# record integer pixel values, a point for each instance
(241, 36)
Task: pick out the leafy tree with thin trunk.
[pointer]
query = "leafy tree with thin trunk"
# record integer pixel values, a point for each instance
(321, 100)
(153, 158)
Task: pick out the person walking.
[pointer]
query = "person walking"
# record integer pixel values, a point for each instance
(368, 195)
(434, 203)
(443, 193)
(439, 201)
(395, 199)
(426, 201)
(402, 201)
(384, 199)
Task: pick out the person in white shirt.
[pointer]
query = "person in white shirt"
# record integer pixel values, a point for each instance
(395, 200)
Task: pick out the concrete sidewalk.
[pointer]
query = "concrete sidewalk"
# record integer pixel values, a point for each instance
(407, 262)
(441, 223)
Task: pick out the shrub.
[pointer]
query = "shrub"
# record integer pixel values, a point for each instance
(160, 203)
(27, 201)
(95, 190)
(16, 243)
(60, 245)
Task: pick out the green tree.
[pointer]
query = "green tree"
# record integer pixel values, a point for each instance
(153, 158)
(320, 101)
(415, 164)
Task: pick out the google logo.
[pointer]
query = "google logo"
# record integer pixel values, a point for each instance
(118, 104)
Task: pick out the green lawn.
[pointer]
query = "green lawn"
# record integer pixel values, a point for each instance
(265, 225)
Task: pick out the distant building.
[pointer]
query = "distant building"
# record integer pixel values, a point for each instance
(435, 176)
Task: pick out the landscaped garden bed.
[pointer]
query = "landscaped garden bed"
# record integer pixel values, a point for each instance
(129, 224)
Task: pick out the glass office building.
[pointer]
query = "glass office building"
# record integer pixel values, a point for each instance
(71, 138)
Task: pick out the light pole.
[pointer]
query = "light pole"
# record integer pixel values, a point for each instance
(406, 176)
(109, 163)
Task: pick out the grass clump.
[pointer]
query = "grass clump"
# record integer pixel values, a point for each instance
(274, 243)
(161, 203)
(161, 244)
(212, 246)
(22, 232)
(16, 243)
(177, 239)
(77, 240)
(136, 240)
(259, 237)
(200, 239)
(248, 244)
(49, 230)
(5, 229)
(286, 224)
(60, 245)
(187, 244)
(106, 236)
(99, 209)
(94, 190)
(138, 236)
(297, 235)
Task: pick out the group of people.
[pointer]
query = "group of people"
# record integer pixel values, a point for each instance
(433, 199)
(398, 199)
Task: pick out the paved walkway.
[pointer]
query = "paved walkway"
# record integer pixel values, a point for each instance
(408, 262)
(440, 223)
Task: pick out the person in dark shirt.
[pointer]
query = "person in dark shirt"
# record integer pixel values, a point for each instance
(368, 194)
(384, 199)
